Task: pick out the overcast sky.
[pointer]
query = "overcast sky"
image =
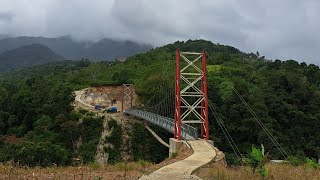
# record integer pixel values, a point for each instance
(284, 29)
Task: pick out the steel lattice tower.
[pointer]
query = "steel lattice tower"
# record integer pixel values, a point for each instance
(127, 96)
(191, 98)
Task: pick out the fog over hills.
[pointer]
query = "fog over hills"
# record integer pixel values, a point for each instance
(3, 36)
(105, 49)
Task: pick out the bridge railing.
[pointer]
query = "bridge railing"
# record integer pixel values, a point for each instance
(187, 132)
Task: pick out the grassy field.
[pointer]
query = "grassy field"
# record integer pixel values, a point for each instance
(276, 171)
(132, 170)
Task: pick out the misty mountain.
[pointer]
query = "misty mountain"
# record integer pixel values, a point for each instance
(63, 45)
(28, 55)
(105, 49)
(2, 36)
(111, 49)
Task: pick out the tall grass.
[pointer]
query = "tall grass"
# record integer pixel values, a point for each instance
(131, 170)
(276, 171)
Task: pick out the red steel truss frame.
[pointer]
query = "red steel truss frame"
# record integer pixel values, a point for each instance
(193, 98)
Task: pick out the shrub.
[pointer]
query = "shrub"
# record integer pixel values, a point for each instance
(296, 160)
(115, 139)
(312, 163)
(257, 160)
(42, 154)
(232, 159)
(91, 133)
(174, 155)
(83, 111)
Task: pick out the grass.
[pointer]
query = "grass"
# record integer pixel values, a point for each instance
(276, 171)
(174, 155)
(131, 170)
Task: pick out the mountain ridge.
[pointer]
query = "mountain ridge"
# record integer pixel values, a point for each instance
(27, 55)
(104, 49)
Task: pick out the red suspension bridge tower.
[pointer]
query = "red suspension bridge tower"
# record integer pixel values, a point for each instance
(191, 97)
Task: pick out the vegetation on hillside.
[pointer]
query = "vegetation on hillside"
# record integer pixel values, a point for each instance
(285, 95)
(26, 56)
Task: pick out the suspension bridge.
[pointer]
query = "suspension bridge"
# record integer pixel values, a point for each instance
(182, 111)
(185, 112)
(182, 108)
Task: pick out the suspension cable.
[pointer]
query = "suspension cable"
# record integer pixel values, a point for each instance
(265, 129)
(225, 132)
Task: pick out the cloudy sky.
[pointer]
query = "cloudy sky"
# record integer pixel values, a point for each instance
(284, 29)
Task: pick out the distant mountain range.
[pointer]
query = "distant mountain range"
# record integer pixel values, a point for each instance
(105, 49)
(25, 56)
(3, 36)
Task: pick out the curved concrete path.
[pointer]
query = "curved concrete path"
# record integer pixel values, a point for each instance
(202, 155)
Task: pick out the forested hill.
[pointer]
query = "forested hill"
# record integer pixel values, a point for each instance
(25, 56)
(285, 95)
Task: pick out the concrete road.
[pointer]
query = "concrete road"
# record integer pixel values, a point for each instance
(203, 154)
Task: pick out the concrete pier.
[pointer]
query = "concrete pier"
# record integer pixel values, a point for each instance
(174, 146)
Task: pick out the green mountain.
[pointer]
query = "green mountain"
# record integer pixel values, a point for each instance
(105, 49)
(109, 49)
(28, 55)
(285, 95)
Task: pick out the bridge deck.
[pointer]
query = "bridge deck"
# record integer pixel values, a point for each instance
(187, 132)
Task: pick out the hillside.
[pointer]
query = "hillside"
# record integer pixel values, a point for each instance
(105, 49)
(285, 95)
(25, 56)
(3, 36)
(110, 49)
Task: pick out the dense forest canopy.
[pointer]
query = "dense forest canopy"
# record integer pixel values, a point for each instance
(285, 95)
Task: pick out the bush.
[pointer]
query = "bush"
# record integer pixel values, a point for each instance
(297, 160)
(232, 159)
(83, 111)
(312, 163)
(138, 139)
(87, 151)
(91, 133)
(174, 155)
(115, 139)
(35, 154)
(7, 152)
(257, 160)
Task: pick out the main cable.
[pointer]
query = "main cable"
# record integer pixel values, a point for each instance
(264, 128)
(225, 131)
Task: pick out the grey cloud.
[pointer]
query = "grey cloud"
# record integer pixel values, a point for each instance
(6, 16)
(286, 29)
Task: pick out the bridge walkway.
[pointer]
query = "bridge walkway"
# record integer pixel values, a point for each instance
(187, 132)
(203, 154)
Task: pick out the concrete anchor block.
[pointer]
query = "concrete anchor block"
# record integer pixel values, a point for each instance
(174, 146)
